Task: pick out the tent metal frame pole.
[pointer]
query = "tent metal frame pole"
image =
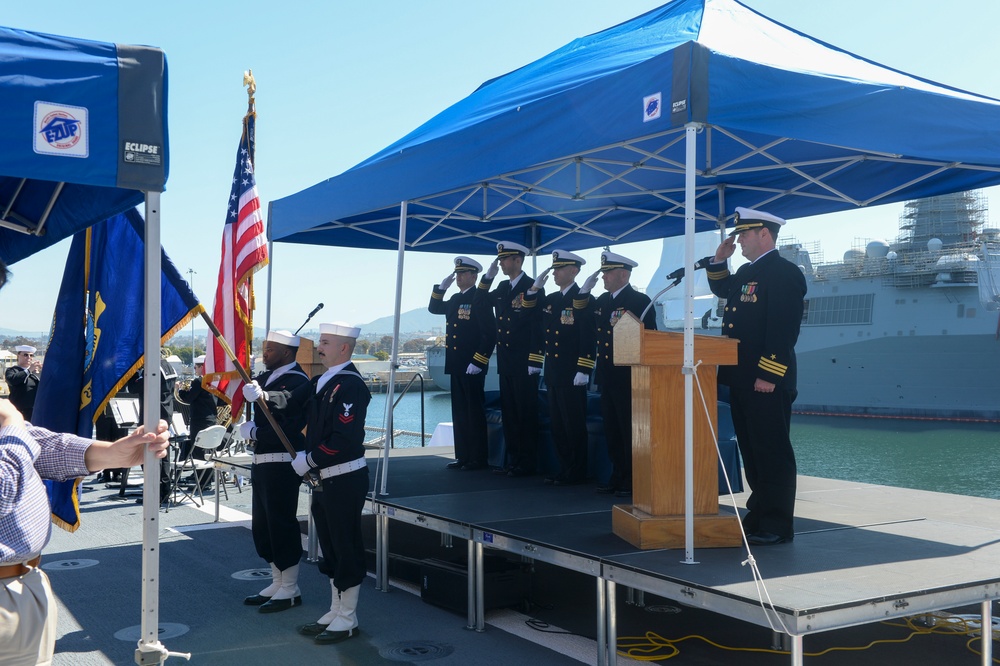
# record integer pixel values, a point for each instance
(150, 650)
(394, 359)
(691, 145)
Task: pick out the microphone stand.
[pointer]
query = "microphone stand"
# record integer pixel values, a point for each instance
(308, 317)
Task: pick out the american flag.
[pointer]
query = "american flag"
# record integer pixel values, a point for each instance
(244, 251)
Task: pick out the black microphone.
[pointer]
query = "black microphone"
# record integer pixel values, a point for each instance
(700, 264)
(308, 317)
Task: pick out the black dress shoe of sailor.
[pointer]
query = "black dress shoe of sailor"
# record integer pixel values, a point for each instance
(457, 464)
(256, 600)
(623, 491)
(311, 629)
(514, 472)
(605, 490)
(502, 471)
(567, 482)
(470, 467)
(278, 605)
(328, 637)
(767, 539)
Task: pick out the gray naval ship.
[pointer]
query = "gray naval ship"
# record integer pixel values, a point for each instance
(904, 329)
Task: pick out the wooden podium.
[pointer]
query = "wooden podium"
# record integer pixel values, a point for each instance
(308, 359)
(656, 517)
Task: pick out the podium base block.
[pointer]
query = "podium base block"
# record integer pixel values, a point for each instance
(646, 531)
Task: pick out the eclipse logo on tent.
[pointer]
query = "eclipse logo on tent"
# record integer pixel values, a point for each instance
(60, 130)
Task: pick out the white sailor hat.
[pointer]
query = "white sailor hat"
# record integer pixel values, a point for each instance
(25, 348)
(463, 264)
(610, 261)
(340, 328)
(562, 258)
(510, 249)
(284, 338)
(199, 360)
(748, 218)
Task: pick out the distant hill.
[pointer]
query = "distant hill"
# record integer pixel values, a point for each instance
(418, 320)
(11, 333)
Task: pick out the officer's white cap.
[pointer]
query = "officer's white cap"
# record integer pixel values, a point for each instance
(748, 218)
(564, 258)
(611, 261)
(510, 248)
(467, 264)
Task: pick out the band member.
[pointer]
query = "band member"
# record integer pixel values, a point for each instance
(471, 337)
(276, 486)
(519, 357)
(764, 304)
(22, 380)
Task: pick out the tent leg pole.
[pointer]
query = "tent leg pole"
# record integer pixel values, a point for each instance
(394, 359)
(691, 154)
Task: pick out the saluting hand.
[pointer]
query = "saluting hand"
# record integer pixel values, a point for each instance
(725, 250)
(492, 271)
(540, 280)
(590, 282)
(445, 283)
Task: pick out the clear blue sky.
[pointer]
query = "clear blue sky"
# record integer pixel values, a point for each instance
(338, 81)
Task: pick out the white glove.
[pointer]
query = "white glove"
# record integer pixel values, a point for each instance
(491, 272)
(445, 283)
(248, 430)
(589, 283)
(473, 369)
(253, 391)
(532, 370)
(540, 280)
(300, 463)
(581, 379)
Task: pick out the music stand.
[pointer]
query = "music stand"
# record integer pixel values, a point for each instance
(125, 411)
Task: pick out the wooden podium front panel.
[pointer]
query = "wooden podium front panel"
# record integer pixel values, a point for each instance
(307, 358)
(658, 441)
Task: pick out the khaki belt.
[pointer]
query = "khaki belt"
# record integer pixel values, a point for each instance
(19, 569)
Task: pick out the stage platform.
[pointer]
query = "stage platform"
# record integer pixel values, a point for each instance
(862, 555)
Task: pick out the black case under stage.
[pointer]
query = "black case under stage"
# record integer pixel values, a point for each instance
(445, 584)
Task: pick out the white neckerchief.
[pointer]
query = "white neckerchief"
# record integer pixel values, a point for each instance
(280, 371)
(328, 375)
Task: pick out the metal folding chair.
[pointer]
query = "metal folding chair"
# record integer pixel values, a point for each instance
(207, 440)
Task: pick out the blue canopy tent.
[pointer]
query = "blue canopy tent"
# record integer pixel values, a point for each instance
(85, 138)
(659, 126)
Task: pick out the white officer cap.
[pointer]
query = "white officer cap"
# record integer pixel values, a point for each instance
(463, 264)
(611, 261)
(510, 249)
(284, 338)
(341, 329)
(564, 258)
(199, 360)
(748, 218)
(25, 348)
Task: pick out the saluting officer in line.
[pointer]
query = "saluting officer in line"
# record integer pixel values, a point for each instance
(276, 486)
(615, 382)
(764, 304)
(335, 405)
(22, 380)
(519, 357)
(471, 336)
(568, 327)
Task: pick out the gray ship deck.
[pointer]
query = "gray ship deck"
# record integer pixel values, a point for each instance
(862, 554)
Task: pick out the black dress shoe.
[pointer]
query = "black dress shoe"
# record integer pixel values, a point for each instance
(605, 490)
(278, 605)
(454, 465)
(567, 482)
(623, 492)
(311, 629)
(549, 480)
(518, 471)
(767, 539)
(500, 471)
(256, 600)
(471, 467)
(328, 637)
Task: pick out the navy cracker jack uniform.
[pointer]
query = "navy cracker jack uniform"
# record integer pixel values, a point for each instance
(615, 382)
(23, 386)
(275, 485)
(570, 339)
(470, 338)
(764, 303)
(335, 436)
(520, 345)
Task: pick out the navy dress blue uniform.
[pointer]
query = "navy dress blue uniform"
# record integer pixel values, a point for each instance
(764, 305)
(471, 337)
(335, 435)
(570, 340)
(519, 347)
(276, 486)
(615, 382)
(23, 385)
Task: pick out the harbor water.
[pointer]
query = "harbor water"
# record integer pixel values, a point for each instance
(941, 456)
